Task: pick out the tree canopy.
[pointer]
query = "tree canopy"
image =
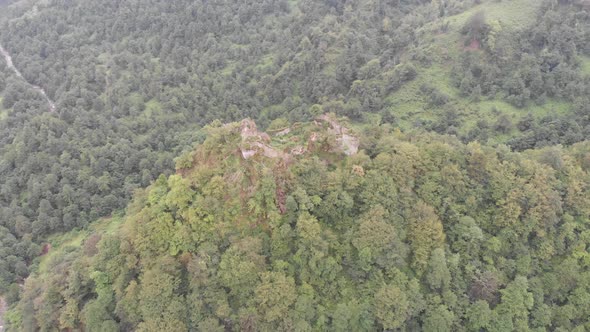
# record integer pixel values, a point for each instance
(501, 246)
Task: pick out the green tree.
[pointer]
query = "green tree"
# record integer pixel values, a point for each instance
(425, 234)
(439, 319)
(391, 307)
(275, 295)
(513, 311)
(438, 275)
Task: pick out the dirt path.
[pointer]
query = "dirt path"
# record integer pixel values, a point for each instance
(10, 65)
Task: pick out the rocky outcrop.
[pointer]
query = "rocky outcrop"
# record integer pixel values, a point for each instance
(254, 142)
(345, 141)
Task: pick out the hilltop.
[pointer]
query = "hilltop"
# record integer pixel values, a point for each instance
(308, 140)
(298, 230)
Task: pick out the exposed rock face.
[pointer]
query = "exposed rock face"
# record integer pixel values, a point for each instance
(348, 143)
(283, 132)
(248, 129)
(298, 150)
(255, 142)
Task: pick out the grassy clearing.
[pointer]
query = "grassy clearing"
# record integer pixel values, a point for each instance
(406, 104)
(59, 244)
(491, 110)
(512, 14)
(409, 104)
(411, 107)
(73, 240)
(108, 226)
(548, 108)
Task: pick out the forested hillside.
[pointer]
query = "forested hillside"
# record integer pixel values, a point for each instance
(305, 232)
(472, 115)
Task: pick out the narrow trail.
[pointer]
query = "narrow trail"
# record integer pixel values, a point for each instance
(51, 104)
(10, 65)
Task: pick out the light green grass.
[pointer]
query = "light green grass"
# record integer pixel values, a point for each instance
(59, 244)
(229, 68)
(491, 110)
(549, 107)
(73, 240)
(512, 14)
(439, 77)
(135, 99)
(265, 61)
(152, 108)
(108, 226)
(409, 105)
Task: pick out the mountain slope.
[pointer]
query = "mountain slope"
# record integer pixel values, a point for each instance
(297, 230)
(135, 82)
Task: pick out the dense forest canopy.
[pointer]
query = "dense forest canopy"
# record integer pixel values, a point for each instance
(455, 196)
(305, 232)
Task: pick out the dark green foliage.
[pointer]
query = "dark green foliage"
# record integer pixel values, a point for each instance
(428, 234)
(435, 233)
(133, 82)
(528, 66)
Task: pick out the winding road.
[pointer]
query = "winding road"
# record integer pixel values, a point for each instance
(51, 104)
(10, 65)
